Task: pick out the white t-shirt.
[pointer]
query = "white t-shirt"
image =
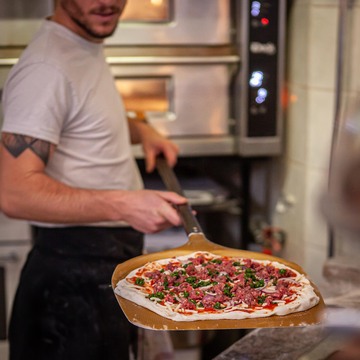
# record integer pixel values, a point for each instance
(62, 91)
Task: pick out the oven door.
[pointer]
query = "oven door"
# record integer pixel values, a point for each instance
(174, 22)
(144, 22)
(189, 103)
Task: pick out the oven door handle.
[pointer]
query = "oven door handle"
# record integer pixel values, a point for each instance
(153, 117)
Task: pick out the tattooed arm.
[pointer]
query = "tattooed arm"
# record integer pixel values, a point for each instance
(27, 192)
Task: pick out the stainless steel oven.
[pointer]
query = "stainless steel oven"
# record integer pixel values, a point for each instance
(219, 68)
(184, 96)
(221, 96)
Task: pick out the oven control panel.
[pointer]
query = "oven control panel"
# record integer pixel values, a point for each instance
(261, 87)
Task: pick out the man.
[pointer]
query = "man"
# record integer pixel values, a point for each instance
(66, 166)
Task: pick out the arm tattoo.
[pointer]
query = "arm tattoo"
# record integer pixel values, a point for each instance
(17, 144)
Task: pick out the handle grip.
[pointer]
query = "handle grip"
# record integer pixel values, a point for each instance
(190, 223)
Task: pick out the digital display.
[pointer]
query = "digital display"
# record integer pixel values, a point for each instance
(263, 69)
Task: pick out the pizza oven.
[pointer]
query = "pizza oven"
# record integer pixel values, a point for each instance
(209, 77)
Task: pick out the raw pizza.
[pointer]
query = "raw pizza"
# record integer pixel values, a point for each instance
(205, 286)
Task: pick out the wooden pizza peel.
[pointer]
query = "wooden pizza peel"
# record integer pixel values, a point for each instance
(145, 318)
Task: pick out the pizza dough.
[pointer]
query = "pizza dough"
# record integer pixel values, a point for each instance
(205, 286)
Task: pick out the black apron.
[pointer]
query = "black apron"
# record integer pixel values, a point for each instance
(65, 308)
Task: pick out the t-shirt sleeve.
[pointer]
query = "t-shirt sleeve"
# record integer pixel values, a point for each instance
(36, 101)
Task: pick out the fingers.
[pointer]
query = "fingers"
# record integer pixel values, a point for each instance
(150, 157)
(172, 197)
(158, 219)
(166, 209)
(151, 211)
(164, 214)
(171, 154)
(169, 149)
(168, 216)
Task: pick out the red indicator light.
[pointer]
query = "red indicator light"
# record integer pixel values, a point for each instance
(265, 21)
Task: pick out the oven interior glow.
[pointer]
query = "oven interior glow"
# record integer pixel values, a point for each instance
(147, 11)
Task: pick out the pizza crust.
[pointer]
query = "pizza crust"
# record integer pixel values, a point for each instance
(305, 299)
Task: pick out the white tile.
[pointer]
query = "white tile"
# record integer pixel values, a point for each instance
(302, 3)
(351, 54)
(322, 47)
(303, 222)
(292, 219)
(331, 3)
(316, 228)
(320, 123)
(309, 126)
(295, 186)
(294, 252)
(298, 43)
(296, 124)
(315, 258)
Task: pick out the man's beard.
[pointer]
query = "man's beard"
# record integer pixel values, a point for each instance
(91, 32)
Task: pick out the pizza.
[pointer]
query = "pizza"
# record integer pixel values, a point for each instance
(205, 286)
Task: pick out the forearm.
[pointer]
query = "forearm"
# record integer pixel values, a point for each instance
(27, 192)
(138, 129)
(41, 198)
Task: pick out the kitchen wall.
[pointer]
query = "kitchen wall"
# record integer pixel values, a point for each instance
(312, 61)
(312, 40)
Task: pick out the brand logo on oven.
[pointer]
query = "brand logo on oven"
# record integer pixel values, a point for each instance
(260, 48)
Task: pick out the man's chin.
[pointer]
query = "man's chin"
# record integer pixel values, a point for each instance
(103, 34)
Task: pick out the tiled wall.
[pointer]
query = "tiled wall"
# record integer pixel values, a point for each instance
(310, 116)
(312, 41)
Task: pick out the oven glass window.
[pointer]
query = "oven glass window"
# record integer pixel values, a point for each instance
(142, 96)
(147, 11)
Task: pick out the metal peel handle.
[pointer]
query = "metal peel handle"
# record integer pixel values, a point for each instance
(190, 223)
